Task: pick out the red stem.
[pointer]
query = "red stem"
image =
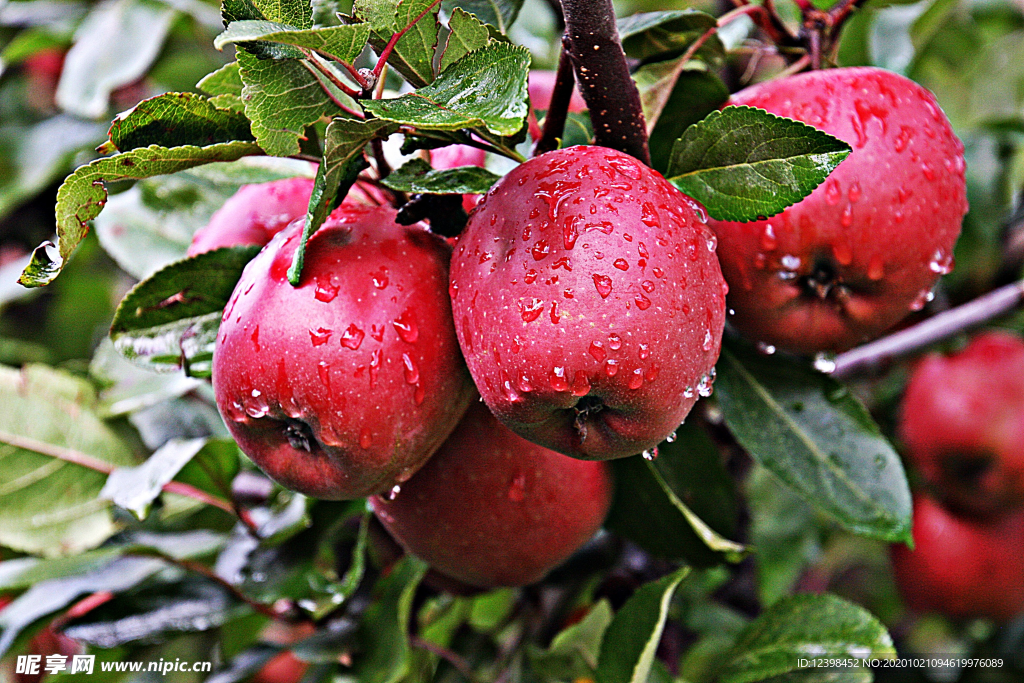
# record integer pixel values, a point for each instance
(389, 48)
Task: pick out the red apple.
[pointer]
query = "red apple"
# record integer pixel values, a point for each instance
(343, 386)
(491, 509)
(864, 248)
(257, 212)
(962, 423)
(588, 303)
(962, 568)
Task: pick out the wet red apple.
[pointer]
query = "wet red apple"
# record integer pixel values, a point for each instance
(491, 509)
(343, 386)
(588, 302)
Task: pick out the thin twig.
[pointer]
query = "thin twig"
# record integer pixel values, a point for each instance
(940, 326)
(327, 91)
(201, 569)
(84, 460)
(386, 53)
(453, 658)
(329, 74)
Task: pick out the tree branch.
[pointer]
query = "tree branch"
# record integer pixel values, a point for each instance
(938, 327)
(558, 109)
(603, 76)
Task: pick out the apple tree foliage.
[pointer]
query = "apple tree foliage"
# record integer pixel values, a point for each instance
(727, 558)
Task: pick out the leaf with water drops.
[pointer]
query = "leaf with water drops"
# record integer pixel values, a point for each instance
(135, 488)
(804, 627)
(167, 322)
(176, 119)
(814, 435)
(743, 163)
(486, 88)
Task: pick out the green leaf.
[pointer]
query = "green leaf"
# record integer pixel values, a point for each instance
(135, 488)
(500, 14)
(170, 321)
(574, 651)
(213, 468)
(343, 43)
(417, 176)
(343, 159)
(816, 437)
(743, 163)
(631, 640)
(384, 629)
(648, 506)
(675, 96)
(485, 88)
(224, 81)
(467, 34)
(664, 35)
(24, 572)
(804, 627)
(176, 120)
(413, 55)
(49, 506)
(83, 194)
(114, 46)
(48, 597)
(297, 13)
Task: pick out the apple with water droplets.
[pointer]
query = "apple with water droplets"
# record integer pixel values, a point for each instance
(866, 247)
(962, 423)
(343, 386)
(491, 509)
(962, 567)
(257, 212)
(588, 302)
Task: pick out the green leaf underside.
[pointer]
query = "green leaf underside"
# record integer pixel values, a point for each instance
(631, 640)
(343, 43)
(500, 14)
(344, 141)
(291, 12)
(418, 176)
(413, 54)
(50, 506)
(281, 98)
(83, 194)
(135, 488)
(385, 626)
(168, 322)
(224, 81)
(467, 34)
(177, 120)
(659, 34)
(809, 431)
(485, 88)
(744, 164)
(808, 627)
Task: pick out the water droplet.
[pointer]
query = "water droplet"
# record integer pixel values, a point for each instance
(790, 262)
(929, 173)
(405, 325)
(923, 297)
(323, 371)
(352, 337)
(412, 373)
(658, 272)
(671, 438)
(258, 407)
(709, 341)
(375, 359)
(846, 219)
(704, 387)
(843, 253)
(832, 192)
(651, 454)
(524, 384)
(517, 489)
(540, 250)
(326, 290)
(652, 373)
(611, 367)
(255, 337)
(765, 348)
(256, 393)
(530, 277)
(597, 351)
(580, 384)
(559, 382)
(380, 278)
(531, 312)
(621, 264)
(453, 290)
(393, 493)
(768, 239)
(876, 268)
(711, 242)
(649, 216)
(320, 336)
(614, 342)
(510, 393)
(603, 283)
(941, 264)
(642, 302)
(636, 380)
(825, 363)
(569, 232)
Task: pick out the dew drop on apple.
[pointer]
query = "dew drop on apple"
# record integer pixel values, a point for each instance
(517, 489)
(611, 367)
(365, 438)
(652, 372)
(825, 362)
(645, 351)
(832, 192)
(323, 371)
(768, 239)
(671, 438)
(532, 311)
(603, 283)
(326, 290)
(621, 264)
(876, 268)
(405, 325)
(649, 215)
(642, 302)
(941, 264)
(636, 379)
(580, 384)
(412, 373)
(258, 407)
(524, 384)
(320, 336)
(352, 337)
(395, 490)
(597, 351)
(380, 278)
(846, 218)
(651, 454)
(256, 338)
(763, 347)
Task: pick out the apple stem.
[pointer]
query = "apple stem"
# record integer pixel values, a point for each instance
(612, 97)
(558, 110)
(996, 303)
(389, 48)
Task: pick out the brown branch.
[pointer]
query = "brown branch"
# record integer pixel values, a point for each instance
(996, 303)
(603, 75)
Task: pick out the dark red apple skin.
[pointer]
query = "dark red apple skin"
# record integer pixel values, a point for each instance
(362, 352)
(491, 509)
(864, 248)
(257, 212)
(585, 282)
(962, 423)
(960, 567)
